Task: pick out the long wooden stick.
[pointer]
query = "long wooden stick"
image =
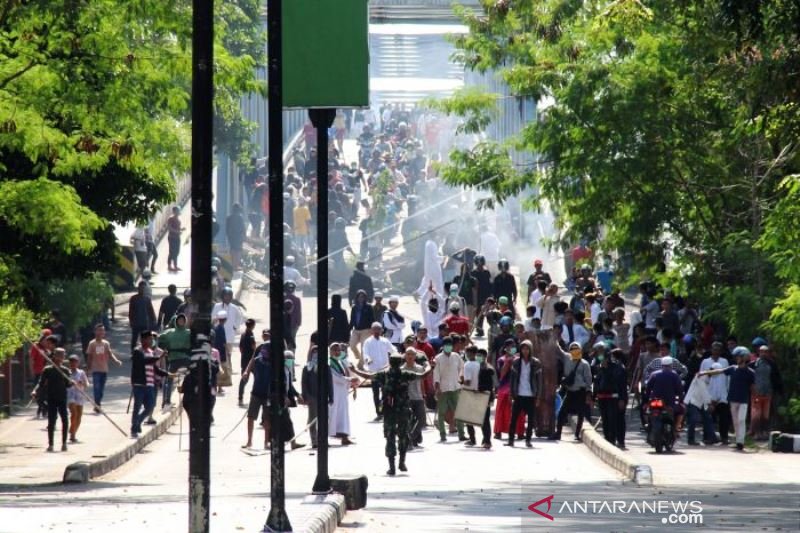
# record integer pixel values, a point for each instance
(85, 395)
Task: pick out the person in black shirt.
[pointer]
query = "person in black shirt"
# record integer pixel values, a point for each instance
(338, 323)
(360, 281)
(468, 290)
(53, 387)
(247, 347)
(486, 379)
(169, 307)
(483, 284)
(537, 276)
(504, 284)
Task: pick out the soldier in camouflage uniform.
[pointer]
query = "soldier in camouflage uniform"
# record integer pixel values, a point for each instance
(396, 407)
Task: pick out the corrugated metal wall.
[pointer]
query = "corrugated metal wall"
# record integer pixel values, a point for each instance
(514, 111)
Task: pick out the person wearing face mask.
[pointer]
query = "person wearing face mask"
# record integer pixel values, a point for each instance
(309, 391)
(502, 414)
(576, 388)
(486, 383)
(342, 381)
(611, 393)
(448, 368)
(472, 369)
(394, 383)
(291, 400)
(526, 383)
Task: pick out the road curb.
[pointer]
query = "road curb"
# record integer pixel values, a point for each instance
(641, 474)
(327, 512)
(83, 471)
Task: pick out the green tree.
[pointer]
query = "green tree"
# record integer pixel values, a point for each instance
(94, 121)
(16, 327)
(671, 126)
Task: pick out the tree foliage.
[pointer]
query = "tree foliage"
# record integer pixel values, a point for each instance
(673, 127)
(95, 123)
(94, 129)
(16, 326)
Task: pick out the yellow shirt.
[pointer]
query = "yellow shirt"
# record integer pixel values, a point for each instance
(302, 216)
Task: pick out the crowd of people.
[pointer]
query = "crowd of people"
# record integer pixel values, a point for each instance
(535, 352)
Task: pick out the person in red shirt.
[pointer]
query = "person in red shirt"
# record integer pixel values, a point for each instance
(421, 343)
(457, 323)
(47, 343)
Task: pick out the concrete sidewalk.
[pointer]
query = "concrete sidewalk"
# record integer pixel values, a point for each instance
(700, 465)
(23, 439)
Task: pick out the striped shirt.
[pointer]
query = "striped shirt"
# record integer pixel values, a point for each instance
(149, 369)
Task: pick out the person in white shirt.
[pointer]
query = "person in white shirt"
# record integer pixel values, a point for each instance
(394, 322)
(536, 295)
(594, 308)
(571, 331)
(139, 242)
(447, 373)
(698, 401)
(234, 321)
(650, 313)
(376, 352)
(433, 309)
(718, 389)
(471, 370)
(547, 305)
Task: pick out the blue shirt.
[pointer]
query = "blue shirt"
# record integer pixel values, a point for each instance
(220, 342)
(262, 372)
(666, 385)
(741, 379)
(604, 277)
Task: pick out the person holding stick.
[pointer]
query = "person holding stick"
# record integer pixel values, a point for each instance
(53, 386)
(143, 372)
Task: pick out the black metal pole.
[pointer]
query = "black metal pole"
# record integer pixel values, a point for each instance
(277, 520)
(322, 119)
(201, 223)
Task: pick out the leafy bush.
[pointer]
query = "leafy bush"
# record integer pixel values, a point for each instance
(16, 324)
(791, 414)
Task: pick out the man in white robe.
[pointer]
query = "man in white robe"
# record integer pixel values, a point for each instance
(342, 381)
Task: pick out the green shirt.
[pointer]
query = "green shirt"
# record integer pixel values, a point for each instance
(177, 342)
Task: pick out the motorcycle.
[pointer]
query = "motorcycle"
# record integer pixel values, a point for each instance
(661, 432)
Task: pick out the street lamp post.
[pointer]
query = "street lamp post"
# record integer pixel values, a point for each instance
(322, 119)
(201, 224)
(277, 520)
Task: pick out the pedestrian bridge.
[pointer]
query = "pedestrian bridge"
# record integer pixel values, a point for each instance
(417, 10)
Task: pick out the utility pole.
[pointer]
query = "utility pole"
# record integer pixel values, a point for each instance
(201, 224)
(277, 520)
(322, 119)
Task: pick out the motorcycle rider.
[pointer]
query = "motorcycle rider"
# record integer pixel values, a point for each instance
(666, 385)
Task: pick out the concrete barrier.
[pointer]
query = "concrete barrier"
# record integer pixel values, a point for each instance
(327, 513)
(641, 474)
(83, 471)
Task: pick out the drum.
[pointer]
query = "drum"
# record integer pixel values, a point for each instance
(471, 407)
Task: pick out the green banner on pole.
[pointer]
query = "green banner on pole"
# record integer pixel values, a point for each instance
(325, 53)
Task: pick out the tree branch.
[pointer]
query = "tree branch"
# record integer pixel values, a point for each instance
(17, 74)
